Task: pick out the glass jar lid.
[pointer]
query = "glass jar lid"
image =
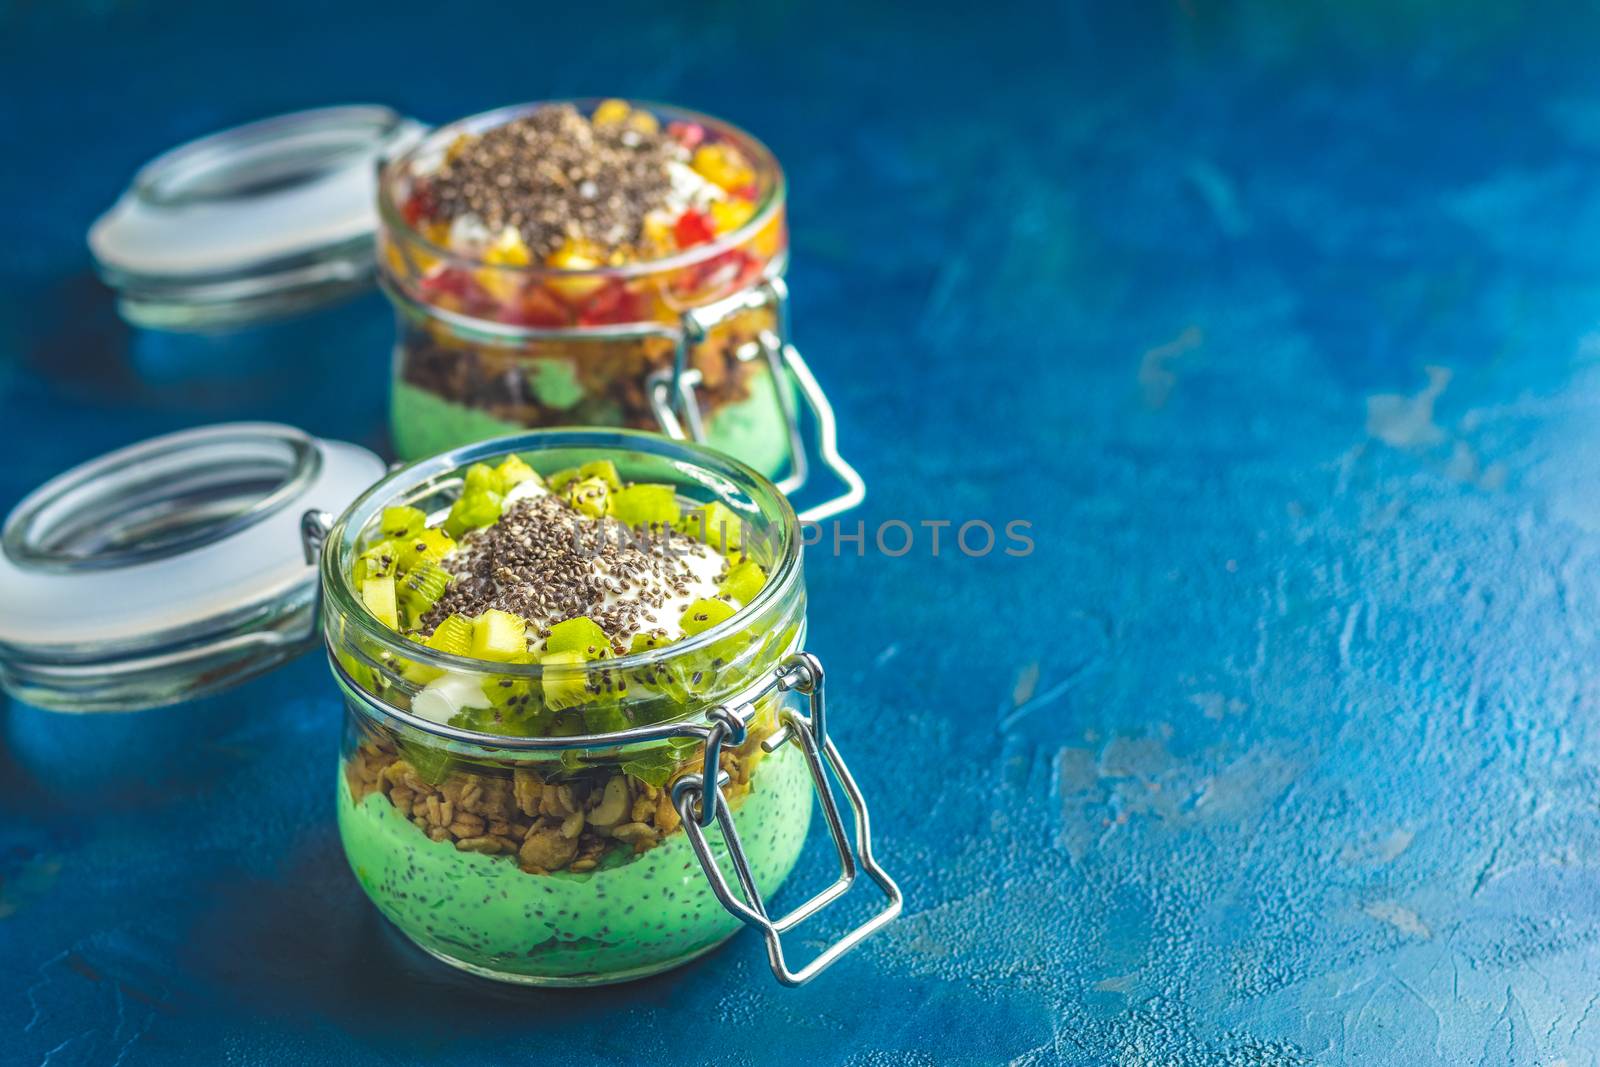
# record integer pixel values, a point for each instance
(264, 220)
(170, 569)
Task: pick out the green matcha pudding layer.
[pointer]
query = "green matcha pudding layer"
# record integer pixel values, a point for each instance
(630, 916)
(423, 422)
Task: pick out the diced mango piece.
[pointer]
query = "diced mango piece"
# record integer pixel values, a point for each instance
(508, 250)
(645, 123)
(728, 215)
(611, 113)
(658, 230)
(722, 164)
(575, 256)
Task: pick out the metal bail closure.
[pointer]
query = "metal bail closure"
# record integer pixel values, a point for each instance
(801, 673)
(673, 391)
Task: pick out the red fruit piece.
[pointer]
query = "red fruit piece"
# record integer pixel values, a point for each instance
(692, 228)
(452, 282)
(688, 134)
(540, 308)
(419, 205)
(458, 290)
(612, 304)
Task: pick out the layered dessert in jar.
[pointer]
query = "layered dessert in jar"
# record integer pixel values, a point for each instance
(541, 259)
(501, 612)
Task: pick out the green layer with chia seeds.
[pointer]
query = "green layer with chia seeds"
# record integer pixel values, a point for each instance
(624, 915)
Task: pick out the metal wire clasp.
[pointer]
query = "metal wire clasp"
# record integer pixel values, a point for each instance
(673, 390)
(801, 673)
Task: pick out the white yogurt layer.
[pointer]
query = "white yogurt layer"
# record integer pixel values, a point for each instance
(525, 490)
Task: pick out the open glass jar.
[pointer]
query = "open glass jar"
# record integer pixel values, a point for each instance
(627, 837)
(644, 823)
(693, 343)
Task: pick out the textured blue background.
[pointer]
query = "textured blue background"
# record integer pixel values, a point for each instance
(1281, 748)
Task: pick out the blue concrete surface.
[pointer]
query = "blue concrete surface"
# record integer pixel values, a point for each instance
(1280, 324)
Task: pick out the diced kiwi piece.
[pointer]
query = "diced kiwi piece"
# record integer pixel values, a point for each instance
(731, 650)
(519, 706)
(568, 723)
(567, 685)
(744, 581)
(360, 673)
(590, 496)
(399, 523)
(645, 642)
(482, 720)
(605, 718)
(379, 597)
(418, 674)
(603, 469)
(581, 634)
(646, 504)
(472, 511)
(657, 766)
(377, 561)
(421, 589)
(429, 545)
(513, 470)
(482, 478)
(702, 615)
(499, 635)
(561, 479)
(426, 580)
(716, 525)
(453, 635)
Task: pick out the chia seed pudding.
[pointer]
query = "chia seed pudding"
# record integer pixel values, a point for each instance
(539, 258)
(567, 867)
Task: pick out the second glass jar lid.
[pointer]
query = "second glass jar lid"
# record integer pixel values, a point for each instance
(263, 220)
(169, 569)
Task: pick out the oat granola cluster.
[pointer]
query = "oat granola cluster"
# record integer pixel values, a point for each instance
(563, 822)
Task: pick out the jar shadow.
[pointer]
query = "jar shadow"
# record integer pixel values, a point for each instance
(133, 758)
(308, 941)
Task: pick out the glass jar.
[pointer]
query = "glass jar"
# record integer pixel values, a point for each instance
(694, 344)
(597, 854)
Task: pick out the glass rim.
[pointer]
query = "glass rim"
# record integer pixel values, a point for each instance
(26, 536)
(335, 576)
(761, 158)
